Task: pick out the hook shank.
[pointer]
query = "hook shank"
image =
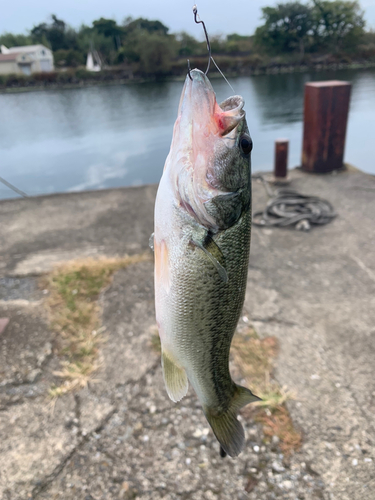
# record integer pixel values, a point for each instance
(198, 20)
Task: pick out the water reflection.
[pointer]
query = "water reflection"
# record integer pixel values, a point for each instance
(280, 98)
(99, 137)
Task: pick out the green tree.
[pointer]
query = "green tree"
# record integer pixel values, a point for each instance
(147, 43)
(11, 40)
(71, 58)
(189, 46)
(338, 24)
(88, 38)
(217, 43)
(56, 33)
(109, 29)
(287, 28)
(155, 54)
(141, 24)
(238, 43)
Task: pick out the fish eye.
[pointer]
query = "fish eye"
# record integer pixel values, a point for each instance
(246, 144)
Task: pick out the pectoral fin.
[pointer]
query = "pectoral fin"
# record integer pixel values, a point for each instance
(227, 429)
(213, 252)
(175, 378)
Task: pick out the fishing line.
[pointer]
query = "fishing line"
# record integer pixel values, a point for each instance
(13, 188)
(222, 74)
(198, 20)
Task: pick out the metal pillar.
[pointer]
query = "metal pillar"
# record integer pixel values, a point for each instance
(281, 158)
(325, 120)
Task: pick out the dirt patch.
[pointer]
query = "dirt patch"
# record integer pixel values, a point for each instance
(254, 360)
(74, 313)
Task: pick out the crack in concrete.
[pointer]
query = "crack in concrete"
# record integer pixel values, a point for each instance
(18, 401)
(352, 394)
(358, 405)
(48, 480)
(329, 365)
(77, 411)
(7, 405)
(60, 467)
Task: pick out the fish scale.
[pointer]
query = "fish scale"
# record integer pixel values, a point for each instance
(202, 245)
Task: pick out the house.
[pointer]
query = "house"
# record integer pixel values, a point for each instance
(26, 59)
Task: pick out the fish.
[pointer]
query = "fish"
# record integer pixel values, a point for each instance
(201, 246)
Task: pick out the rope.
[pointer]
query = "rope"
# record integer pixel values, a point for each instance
(287, 207)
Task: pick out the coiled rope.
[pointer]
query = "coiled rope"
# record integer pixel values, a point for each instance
(287, 207)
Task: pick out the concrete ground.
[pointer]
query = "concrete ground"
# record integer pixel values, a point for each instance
(121, 437)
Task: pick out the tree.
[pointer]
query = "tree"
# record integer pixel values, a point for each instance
(10, 40)
(338, 24)
(141, 24)
(88, 38)
(189, 46)
(238, 43)
(147, 43)
(71, 58)
(109, 29)
(287, 27)
(56, 34)
(155, 54)
(320, 25)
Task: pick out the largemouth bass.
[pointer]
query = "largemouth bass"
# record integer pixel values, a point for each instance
(202, 244)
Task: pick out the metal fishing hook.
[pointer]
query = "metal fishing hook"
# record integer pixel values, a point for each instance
(189, 69)
(197, 20)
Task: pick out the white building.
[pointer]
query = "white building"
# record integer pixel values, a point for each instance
(26, 60)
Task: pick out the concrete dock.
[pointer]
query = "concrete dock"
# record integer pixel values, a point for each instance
(121, 437)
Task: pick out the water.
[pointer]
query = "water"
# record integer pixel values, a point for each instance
(100, 137)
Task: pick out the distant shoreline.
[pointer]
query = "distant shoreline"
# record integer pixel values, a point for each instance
(91, 79)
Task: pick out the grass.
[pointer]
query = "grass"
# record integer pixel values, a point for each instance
(254, 360)
(74, 313)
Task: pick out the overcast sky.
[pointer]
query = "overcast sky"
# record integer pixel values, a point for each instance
(220, 16)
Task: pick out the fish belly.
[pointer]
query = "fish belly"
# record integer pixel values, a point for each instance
(196, 311)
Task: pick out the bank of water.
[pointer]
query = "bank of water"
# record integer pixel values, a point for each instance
(98, 137)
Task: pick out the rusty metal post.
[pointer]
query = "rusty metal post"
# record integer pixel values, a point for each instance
(325, 120)
(281, 158)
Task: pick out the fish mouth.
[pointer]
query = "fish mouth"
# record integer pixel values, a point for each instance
(204, 135)
(198, 107)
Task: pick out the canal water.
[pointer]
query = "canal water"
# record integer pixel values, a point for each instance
(101, 137)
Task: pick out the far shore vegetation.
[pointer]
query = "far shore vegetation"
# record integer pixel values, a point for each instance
(294, 35)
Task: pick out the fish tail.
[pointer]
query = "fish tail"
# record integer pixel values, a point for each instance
(226, 427)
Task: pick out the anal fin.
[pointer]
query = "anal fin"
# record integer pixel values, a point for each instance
(175, 378)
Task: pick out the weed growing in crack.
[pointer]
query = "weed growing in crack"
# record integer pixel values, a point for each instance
(74, 313)
(253, 360)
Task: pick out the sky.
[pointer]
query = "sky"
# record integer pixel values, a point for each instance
(220, 16)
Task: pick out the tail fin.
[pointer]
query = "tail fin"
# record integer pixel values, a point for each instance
(227, 429)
